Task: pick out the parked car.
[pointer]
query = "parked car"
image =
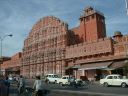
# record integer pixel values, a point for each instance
(52, 78)
(65, 80)
(114, 80)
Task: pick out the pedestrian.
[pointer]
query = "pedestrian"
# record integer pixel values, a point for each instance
(3, 87)
(7, 83)
(21, 84)
(46, 80)
(95, 76)
(38, 86)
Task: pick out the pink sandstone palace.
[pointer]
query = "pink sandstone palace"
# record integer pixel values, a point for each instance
(83, 51)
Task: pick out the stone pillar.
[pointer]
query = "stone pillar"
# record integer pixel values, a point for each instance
(63, 67)
(54, 67)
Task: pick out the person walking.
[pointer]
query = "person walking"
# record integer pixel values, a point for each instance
(3, 87)
(7, 83)
(38, 86)
(21, 84)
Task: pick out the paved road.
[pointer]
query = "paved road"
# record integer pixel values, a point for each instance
(100, 89)
(95, 90)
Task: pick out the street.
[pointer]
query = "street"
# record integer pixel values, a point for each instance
(93, 90)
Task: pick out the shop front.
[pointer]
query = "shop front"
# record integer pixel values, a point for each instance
(119, 67)
(97, 70)
(93, 71)
(13, 71)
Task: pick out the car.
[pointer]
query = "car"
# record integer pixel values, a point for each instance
(52, 78)
(114, 80)
(65, 80)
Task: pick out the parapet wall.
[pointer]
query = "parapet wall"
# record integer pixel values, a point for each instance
(90, 48)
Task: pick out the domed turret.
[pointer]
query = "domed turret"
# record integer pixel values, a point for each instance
(117, 34)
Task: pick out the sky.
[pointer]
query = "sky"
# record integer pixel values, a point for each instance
(18, 16)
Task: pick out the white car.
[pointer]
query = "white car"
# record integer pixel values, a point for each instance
(65, 80)
(114, 80)
(52, 78)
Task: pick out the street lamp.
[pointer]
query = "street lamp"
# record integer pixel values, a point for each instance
(1, 40)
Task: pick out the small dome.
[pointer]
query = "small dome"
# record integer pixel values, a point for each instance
(117, 33)
(88, 8)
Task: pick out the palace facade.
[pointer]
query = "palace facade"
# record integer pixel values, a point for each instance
(44, 48)
(84, 51)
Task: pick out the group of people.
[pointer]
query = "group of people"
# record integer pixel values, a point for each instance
(5, 86)
(37, 86)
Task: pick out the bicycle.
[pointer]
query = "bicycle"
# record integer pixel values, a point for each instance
(78, 84)
(87, 83)
(28, 91)
(31, 92)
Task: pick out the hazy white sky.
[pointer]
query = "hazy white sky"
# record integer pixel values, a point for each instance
(18, 17)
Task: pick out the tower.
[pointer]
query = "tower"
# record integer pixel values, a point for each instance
(92, 25)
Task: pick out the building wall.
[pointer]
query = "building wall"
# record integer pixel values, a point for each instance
(105, 50)
(44, 48)
(121, 45)
(87, 49)
(94, 45)
(12, 66)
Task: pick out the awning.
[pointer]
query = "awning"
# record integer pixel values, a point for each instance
(13, 69)
(118, 64)
(69, 67)
(73, 67)
(108, 68)
(98, 65)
